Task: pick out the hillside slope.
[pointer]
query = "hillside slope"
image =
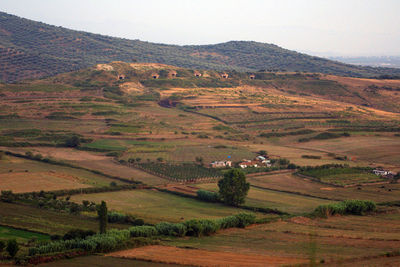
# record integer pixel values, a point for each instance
(30, 49)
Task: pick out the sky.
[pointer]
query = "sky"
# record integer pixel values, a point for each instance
(318, 27)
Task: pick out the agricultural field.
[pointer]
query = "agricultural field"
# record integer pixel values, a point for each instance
(23, 175)
(181, 172)
(154, 206)
(374, 150)
(45, 221)
(20, 235)
(104, 261)
(344, 176)
(286, 202)
(164, 133)
(288, 182)
(333, 241)
(92, 161)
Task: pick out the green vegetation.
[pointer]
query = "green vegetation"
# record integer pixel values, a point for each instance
(20, 235)
(114, 239)
(208, 196)
(347, 207)
(233, 188)
(103, 219)
(12, 247)
(325, 135)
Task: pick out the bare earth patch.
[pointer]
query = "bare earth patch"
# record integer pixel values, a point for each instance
(199, 257)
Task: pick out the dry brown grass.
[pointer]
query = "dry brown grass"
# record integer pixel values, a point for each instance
(20, 182)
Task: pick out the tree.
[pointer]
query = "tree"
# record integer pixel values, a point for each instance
(2, 245)
(262, 153)
(103, 218)
(12, 247)
(233, 188)
(73, 141)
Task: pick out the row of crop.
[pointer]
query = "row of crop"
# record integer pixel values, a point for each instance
(184, 171)
(115, 239)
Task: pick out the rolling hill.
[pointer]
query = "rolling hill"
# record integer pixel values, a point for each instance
(30, 49)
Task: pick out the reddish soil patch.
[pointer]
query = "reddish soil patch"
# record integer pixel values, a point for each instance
(199, 257)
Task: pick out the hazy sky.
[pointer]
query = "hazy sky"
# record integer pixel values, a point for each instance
(339, 27)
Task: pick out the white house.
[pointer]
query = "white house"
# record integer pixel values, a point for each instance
(221, 164)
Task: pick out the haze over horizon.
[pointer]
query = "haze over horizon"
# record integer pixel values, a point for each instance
(324, 28)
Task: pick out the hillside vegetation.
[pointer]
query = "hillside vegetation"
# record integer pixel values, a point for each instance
(30, 49)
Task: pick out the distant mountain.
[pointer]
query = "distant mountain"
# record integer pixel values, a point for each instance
(30, 49)
(384, 61)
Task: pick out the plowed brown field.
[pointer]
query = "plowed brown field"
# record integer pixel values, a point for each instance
(204, 258)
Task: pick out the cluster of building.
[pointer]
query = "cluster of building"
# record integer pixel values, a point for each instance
(259, 161)
(384, 173)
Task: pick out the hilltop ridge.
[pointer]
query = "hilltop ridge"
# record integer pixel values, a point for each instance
(31, 49)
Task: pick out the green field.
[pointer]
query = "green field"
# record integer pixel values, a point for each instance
(21, 235)
(45, 221)
(154, 206)
(264, 198)
(343, 176)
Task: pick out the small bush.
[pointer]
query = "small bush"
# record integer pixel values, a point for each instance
(143, 231)
(12, 247)
(171, 229)
(78, 233)
(2, 245)
(194, 227)
(208, 196)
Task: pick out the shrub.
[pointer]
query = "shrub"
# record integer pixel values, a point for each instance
(208, 196)
(171, 229)
(245, 219)
(143, 231)
(7, 196)
(12, 247)
(228, 222)
(194, 227)
(209, 227)
(78, 234)
(2, 245)
(355, 207)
